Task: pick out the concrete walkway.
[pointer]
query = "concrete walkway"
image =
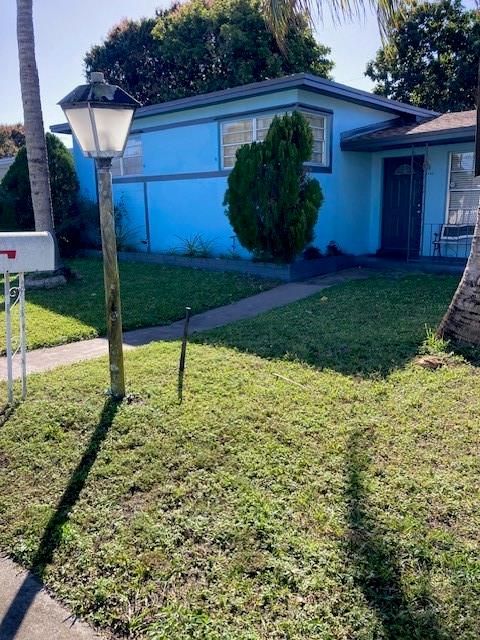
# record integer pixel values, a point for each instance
(27, 612)
(40, 360)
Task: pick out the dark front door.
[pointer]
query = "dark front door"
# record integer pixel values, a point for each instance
(402, 206)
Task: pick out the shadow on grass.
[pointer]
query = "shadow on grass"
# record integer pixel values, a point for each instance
(365, 328)
(51, 537)
(6, 412)
(376, 562)
(470, 353)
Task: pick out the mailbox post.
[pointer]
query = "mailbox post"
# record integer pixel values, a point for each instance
(100, 116)
(21, 253)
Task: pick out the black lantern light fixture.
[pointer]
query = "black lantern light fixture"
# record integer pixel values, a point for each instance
(100, 116)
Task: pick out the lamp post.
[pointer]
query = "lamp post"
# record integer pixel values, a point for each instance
(100, 116)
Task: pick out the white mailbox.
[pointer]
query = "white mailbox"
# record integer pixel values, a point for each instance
(26, 251)
(21, 253)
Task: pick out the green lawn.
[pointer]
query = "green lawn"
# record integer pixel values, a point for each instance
(151, 294)
(316, 483)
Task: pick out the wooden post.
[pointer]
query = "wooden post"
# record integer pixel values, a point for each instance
(111, 278)
(183, 353)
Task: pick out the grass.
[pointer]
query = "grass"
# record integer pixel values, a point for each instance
(297, 493)
(361, 328)
(151, 294)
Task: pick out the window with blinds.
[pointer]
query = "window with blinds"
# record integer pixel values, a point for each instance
(131, 163)
(463, 191)
(234, 135)
(239, 132)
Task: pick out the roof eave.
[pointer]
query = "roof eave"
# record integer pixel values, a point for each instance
(452, 136)
(358, 96)
(305, 81)
(64, 127)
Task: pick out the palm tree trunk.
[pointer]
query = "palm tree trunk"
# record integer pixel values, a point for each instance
(33, 123)
(461, 323)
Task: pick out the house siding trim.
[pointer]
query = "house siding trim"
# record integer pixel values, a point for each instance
(198, 175)
(147, 217)
(171, 177)
(317, 168)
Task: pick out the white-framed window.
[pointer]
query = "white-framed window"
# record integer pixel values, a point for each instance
(463, 192)
(131, 163)
(236, 133)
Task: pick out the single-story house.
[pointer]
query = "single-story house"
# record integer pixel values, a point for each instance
(397, 179)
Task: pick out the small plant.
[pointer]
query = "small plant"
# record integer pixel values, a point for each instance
(232, 253)
(433, 345)
(88, 233)
(195, 247)
(333, 249)
(312, 253)
(123, 230)
(90, 216)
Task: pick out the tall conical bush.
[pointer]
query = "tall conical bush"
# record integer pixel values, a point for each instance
(272, 202)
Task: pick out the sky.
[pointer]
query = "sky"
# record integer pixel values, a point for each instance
(66, 29)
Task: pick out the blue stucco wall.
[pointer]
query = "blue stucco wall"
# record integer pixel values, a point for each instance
(435, 196)
(181, 191)
(186, 149)
(345, 211)
(179, 209)
(86, 173)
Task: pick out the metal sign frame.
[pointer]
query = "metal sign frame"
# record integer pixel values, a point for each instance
(15, 295)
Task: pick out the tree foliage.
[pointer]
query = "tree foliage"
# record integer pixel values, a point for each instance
(430, 57)
(201, 46)
(282, 14)
(12, 137)
(271, 201)
(130, 57)
(64, 187)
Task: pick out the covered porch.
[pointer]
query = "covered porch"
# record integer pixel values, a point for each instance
(424, 196)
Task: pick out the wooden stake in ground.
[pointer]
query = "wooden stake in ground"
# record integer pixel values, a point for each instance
(183, 353)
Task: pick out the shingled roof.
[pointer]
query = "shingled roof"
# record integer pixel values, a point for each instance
(446, 128)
